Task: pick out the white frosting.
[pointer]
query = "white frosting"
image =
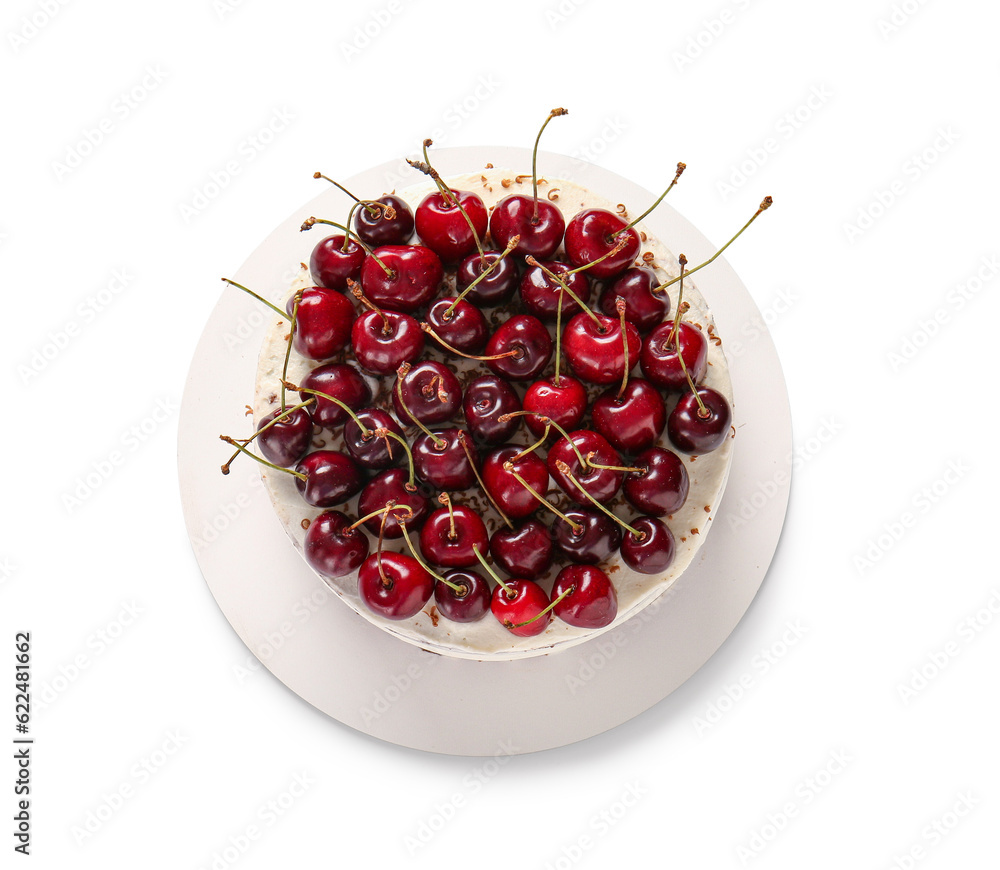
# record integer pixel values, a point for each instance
(487, 638)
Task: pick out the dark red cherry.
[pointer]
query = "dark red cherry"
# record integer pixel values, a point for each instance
(591, 234)
(332, 547)
(382, 341)
(323, 324)
(394, 585)
(652, 551)
(389, 487)
(525, 551)
(431, 393)
(695, 431)
(441, 462)
(442, 227)
(413, 279)
(659, 362)
(486, 398)
(633, 420)
(374, 451)
(331, 264)
(530, 342)
(332, 477)
(497, 287)
(541, 233)
(377, 229)
(661, 488)
(512, 496)
(540, 294)
(447, 538)
(564, 402)
(643, 308)
(595, 350)
(463, 328)
(601, 483)
(286, 441)
(525, 601)
(341, 381)
(595, 537)
(471, 602)
(592, 601)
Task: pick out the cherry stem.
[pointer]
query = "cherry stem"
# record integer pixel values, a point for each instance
(503, 418)
(680, 169)
(401, 374)
(565, 470)
(672, 338)
(309, 223)
(703, 412)
(489, 570)
(508, 466)
(383, 510)
(259, 298)
(445, 499)
(482, 486)
(382, 432)
(600, 467)
(764, 206)
(243, 449)
(413, 550)
(517, 352)
(555, 113)
(370, 205)
(552, 276)
(551, 606)
(366, 433)
(556, 378)
(386, 582)
(618, 245)
(620, 308)
(510, 247)
(285, 413)
(288, 346)
(358, 294)
(534, 446)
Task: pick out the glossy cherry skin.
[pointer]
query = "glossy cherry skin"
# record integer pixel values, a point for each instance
(652, 551)
(442, 548)
(331, 265)
(469, 605)
(598, 536)
(463, 328)
(497, 287)
(564, 402)
(528, 337)
(332, 547)
(597, 356)
(540, 294)
(513, 498)
(415, 277)
(384, 341)
(373, 452)
(643, 308)
(323, 324)
(341, 381)
(524, 603)
(488, 397)
(662, 486)
(591, 234)
(601, 483)
(659, 361)
(332, 477)
(691, 431)
(380, 230)
(441, 461)
(525, 551)
(431, 394)
(404, 592)
(541, 233)
(389, 487)
(442, 227)
(633, 421)
(286, 442)
(593, 601)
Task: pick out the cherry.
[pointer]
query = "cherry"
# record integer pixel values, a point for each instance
(650, 552)
(493, 289)
(700, 421)
(586, 536)
(335, 259)
(394, 585)
(332, 547)
(323, 322)
(443, 228)
(450, 533)
(524, 551)
(341, 381)
(441, 461)
(592, 233)
(600, 483)
(284, 441)
(390, 489)
(459, 323)
(643, 308)
(469, 603)
(658, 359)
(661, 487)
(590, 599)
(384, 340)
(428, 392)
(516, 499)
(541, 295)
(563, 400)
(331, 478)
(376, 229)
(520, 606)
(402, 277)
(527, 341)
(595, 348)
(633, 418)
(367, 447)
(488, 397)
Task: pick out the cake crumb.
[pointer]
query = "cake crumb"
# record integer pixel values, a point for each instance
(622, 211)
(306, 522)
(249, 411)
(489, 166)
(708, 509)
(433, 614)
(695, 532)
(520, 179)
(553, 194)
(505, 182)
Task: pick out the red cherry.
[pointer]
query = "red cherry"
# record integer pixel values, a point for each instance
(441, 462)
(376, 230)
(384, 340)
(497, 287)
(447, 537)
(323, 323)
(284, 443)
(540, 294)
(700, 428)
(488, 397)
(331, 264)
(661, 488)
(643, 308)
(631, 419)
(659, 362)
(442, 227)
(414, 276)
(471, 602)
(564, 402)
(332, 547)
(525, 551)
(373, 451)
(431, 394)
(332, 478)
(541, 233)
(592, 603)
(524, 602)
(592, 233)
(512, 496)
(601, 483)
(463, 327)
(341, 381)
(593, 537)
(652, 551)
(529, 342)
(389, 488)
(394, 585)
(595, 349)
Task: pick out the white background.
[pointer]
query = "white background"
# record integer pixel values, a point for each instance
(874, 127)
